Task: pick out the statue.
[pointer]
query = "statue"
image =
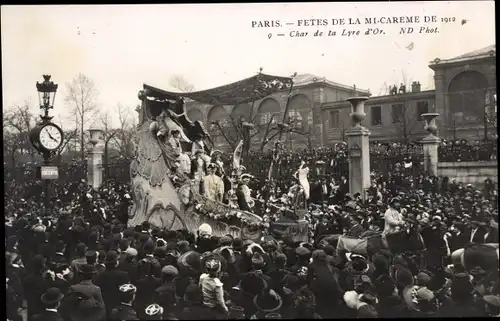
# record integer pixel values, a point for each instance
(402, 89)
(184, 166)
(169, 194)
(301, 176)
(394, 90)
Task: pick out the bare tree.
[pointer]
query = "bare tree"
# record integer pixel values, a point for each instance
(407, 124)
(179, 82)
(125, 132)
(81, 97)
(108, 134)
(18, 121)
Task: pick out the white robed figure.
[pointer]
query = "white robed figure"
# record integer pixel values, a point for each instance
(301, 176)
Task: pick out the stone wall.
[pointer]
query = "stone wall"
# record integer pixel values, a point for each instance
(470, 172)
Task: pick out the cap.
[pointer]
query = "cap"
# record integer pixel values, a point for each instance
(170, 270)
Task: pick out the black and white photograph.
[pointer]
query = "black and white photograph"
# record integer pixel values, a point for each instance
(225, 161)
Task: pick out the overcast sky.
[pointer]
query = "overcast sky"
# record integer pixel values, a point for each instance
(122, 47)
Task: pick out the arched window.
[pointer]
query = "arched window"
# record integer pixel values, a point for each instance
(301, 109)
(195, 114)
(267, 108)
(241, 111)
(467, 94)
(217, 114)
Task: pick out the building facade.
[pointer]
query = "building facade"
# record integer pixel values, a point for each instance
(308, 95)
(465, 92)
(465, 98)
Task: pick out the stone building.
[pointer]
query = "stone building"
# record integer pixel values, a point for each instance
(464, 88)
(305, 105)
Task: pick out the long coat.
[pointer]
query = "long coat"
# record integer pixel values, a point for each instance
(109, 282)
(88, 288)
(214, 187)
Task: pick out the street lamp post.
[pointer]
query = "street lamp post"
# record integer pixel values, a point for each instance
(46, 137)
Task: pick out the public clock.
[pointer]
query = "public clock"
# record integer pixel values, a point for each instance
(47, 137)
(50, 137)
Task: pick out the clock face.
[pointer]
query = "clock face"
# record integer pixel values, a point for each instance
(50, 137)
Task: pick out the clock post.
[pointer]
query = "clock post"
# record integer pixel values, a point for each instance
(46, 138)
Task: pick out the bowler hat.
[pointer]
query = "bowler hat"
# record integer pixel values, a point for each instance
(111, 257)
(86, 269)
(51, 296)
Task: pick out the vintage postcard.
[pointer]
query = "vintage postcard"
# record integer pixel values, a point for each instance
(325, 160)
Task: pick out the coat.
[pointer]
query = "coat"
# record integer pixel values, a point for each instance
(392, 219)
(146, 287)
(88, 288)
(214, 187)
(109, 282)
(34, 287)
(165, 296)
(47, 316)
(123, 312)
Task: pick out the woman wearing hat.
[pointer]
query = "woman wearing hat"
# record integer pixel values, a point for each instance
(421, 301)
(212, 287)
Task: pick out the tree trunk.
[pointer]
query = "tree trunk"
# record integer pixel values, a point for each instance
(82, 144)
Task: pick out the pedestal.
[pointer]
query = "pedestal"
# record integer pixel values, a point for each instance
(359, 160)
(94, 169)
(430, 144)
(430, 147)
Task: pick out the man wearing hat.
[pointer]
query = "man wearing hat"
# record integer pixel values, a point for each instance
(393, 223)
(110, 281)
(213, 184)
(86, 273)
(165, 294)
(51, 299)
(124, 310)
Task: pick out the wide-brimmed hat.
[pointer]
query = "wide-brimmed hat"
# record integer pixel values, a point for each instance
(420, 299)
(268, 301)
(86, 269)
(52, 296)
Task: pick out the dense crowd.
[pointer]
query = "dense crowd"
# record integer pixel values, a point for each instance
(84, 263)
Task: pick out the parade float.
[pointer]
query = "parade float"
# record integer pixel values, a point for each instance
(166, 171)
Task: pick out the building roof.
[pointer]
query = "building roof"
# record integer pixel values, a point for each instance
(307, 79)
(485, 52)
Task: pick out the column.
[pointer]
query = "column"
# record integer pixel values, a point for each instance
(94, 162)
(359, 150)
(431, 143)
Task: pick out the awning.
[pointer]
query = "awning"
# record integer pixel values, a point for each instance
(243, 91)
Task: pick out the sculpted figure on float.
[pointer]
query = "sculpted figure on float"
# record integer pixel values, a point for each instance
(164, 190)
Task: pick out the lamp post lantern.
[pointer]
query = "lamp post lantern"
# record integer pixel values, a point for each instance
(46, 137)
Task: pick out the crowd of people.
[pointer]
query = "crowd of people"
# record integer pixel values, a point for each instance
(83, 261)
